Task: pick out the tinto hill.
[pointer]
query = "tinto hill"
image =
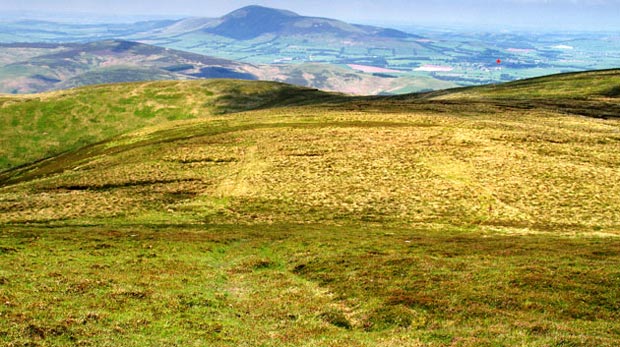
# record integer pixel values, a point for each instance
(227, 213)
(251, 22)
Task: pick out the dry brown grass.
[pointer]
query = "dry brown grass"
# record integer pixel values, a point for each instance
(538, 171)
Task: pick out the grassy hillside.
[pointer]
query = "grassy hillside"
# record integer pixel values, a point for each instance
(590, 94)
(333, 221)
(599, 84)
(34, 127)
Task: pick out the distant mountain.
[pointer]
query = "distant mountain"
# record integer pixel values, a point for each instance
(254, 21)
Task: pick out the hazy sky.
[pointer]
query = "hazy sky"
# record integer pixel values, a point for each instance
(567, 14)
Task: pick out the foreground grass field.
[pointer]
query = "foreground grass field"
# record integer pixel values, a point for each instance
(312, 285)
(459, 218)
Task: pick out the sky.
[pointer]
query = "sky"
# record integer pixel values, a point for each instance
(598, 15)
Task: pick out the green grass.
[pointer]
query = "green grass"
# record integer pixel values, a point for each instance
(571, 85)
(120, 73)
(292, 285)
(34, 127)
(313, 220)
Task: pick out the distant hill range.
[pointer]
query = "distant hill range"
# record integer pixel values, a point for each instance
(254, 21)
(39, 67)
(57, 66)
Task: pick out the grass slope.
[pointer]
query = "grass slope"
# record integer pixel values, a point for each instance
(580, 85)
(33, 127)
(590, 94)
(403, 221)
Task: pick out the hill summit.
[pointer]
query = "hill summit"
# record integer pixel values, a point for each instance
(254, 21)
(255, 11)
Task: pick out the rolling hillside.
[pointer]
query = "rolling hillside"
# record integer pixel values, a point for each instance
(599, 85)
(240, 212)
(38, 126)
(356, 137)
